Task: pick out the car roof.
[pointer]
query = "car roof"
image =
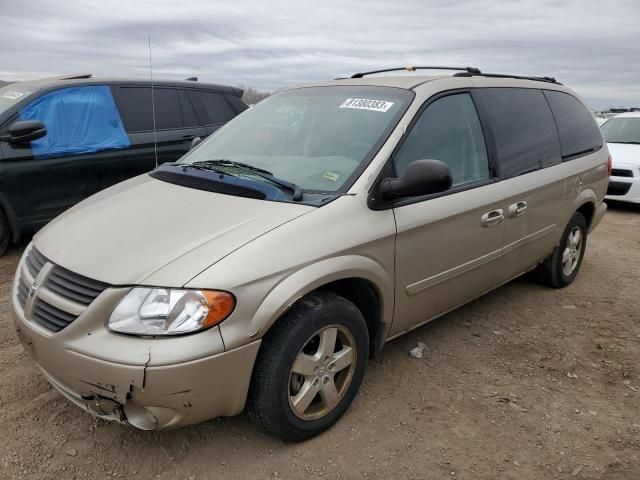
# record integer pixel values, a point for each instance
(412, 81)
(86, 79)
(627, 114)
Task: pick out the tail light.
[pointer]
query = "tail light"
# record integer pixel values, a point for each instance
(609, 165)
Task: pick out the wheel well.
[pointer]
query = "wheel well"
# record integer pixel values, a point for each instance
(364, 295)
(587, 210)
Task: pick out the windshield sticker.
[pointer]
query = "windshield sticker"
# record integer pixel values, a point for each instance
(367, 104)
(12, 95)
(329, 175)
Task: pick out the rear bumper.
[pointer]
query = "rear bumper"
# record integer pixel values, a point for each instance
(146, 397)
(598, 215)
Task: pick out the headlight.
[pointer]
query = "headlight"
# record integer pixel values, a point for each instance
(165, 311)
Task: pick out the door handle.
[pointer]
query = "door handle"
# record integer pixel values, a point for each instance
(517, 209)
(492, 218)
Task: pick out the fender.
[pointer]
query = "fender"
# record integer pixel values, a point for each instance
(303, 281)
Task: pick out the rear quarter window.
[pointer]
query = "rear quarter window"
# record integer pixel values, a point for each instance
(579, 133)
(523, 129)
(211, 107)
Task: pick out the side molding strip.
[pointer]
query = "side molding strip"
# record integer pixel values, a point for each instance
(422, 285)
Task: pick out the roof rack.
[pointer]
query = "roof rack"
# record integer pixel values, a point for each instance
(506, 75)
(462, 72)
(76, 76)
(410, 68)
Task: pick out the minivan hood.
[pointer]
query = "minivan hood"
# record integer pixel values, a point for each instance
(146, 231)
(624, 153)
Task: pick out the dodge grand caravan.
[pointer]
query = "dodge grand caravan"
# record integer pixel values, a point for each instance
(63, 139)
(265, 267)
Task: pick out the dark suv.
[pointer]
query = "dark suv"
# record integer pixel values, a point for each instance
(64, 139)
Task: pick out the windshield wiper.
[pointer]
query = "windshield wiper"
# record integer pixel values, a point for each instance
(628, 143)
(260, 172)
(223, 162)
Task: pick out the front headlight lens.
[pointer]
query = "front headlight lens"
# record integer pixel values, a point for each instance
(166, 311)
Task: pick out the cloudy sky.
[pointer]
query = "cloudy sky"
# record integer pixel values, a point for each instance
(593, 46)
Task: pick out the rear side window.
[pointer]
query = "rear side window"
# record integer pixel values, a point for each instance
(523, 128)
(136, 110)
(448, 130)
(236, 102)
(579, 133)
(211, 107)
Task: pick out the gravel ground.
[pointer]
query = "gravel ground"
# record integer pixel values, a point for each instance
(524, 383)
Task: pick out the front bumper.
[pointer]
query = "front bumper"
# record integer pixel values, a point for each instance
(625, 189)
(158, 384)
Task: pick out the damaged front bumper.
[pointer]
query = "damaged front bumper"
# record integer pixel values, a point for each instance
(150, 383)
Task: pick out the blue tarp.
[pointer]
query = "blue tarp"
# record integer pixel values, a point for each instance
(78, 120)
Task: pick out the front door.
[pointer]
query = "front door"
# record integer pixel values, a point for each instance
(447, 245)
(44, 178)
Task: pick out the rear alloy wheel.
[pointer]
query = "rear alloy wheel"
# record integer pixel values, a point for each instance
(572, 252)
(562, 266)
(309, 368)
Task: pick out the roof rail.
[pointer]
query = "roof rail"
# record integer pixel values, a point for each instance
(506, 75)
(462, 72)
(76, 76)
(410, 68)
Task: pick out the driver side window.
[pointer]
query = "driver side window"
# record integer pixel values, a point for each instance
(448, 130)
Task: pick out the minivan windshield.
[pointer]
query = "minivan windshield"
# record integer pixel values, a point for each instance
(622, 130)
(317, 138)
(12, 94)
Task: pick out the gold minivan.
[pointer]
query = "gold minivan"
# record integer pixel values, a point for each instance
(265, 267)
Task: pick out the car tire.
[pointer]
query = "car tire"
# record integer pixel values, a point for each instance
(5, 233)
(302, 382)
(562, 266)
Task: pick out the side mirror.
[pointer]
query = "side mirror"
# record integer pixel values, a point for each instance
(195, 142)
(423, 177)
(24, 131)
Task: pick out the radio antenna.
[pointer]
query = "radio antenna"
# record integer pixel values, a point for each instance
(153, 107)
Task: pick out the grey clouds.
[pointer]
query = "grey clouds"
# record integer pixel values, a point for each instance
(593, 46)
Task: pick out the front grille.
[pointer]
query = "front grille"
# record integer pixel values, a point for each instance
(50, 317)
(620, 172)
(61, 284)
(618, 188)
(73, 286)
(34, 262)
(23, 292)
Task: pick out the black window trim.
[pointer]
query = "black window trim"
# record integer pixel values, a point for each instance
(375, 200)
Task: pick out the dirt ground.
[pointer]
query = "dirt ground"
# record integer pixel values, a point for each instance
(525, 383)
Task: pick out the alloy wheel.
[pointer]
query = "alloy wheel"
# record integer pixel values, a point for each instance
(322, 372)
(572, 251)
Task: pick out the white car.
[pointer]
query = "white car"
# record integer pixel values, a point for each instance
(622, 133)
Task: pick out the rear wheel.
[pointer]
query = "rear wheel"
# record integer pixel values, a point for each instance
(309, 368)
(562, 267)
(5, 233)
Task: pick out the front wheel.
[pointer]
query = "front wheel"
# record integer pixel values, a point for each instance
(562, 266)
(309, 368)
